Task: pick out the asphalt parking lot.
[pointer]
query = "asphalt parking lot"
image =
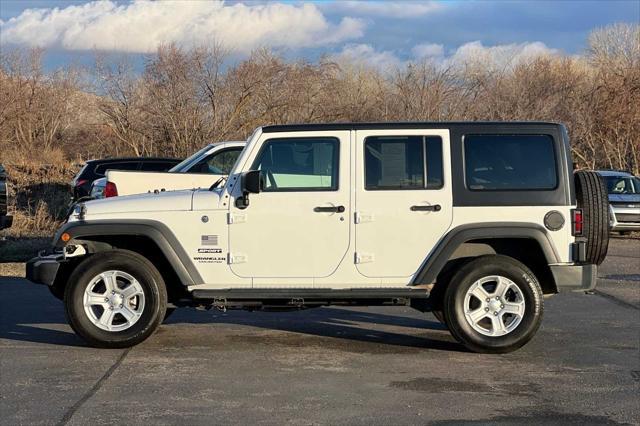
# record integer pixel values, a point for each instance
(328, 365)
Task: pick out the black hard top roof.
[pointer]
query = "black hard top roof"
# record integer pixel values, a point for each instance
(141, 159)
(400, 125)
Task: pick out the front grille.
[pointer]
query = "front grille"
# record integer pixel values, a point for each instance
(624, 217)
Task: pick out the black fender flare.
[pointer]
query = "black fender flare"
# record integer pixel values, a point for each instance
(438, 257)
(158, 232)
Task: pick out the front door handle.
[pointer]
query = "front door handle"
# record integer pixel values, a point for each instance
(433, 208)
(332, 209)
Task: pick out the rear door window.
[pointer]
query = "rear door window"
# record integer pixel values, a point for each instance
(403, 162)
(510, 162)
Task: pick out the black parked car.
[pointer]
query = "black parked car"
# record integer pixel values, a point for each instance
(5, 220)
(95, 169)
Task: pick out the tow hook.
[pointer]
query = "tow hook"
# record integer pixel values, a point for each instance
(220, 304)
(298, 302)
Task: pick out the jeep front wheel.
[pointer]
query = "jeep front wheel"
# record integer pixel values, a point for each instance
(493, 304)
(115, 299)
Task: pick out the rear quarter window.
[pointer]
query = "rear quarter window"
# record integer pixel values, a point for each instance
(510, 162)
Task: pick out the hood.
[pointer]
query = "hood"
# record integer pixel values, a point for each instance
(624, 198)
(151, 202)
(205, 199)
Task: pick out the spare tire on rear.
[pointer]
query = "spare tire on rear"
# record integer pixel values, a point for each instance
(592, 198)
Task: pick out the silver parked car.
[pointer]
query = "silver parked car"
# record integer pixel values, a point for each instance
(624, 200)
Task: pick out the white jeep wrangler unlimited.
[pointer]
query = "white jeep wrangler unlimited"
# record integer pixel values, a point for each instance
(476, 222)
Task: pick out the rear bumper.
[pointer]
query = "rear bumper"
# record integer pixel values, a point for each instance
(6, 222)
(575, 277)
(43, 269)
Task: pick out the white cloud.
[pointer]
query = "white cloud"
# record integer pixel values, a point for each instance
(500, 56)
(366, 54)
(140, 26)
(392, 9)
(428, 50)
(472, 53)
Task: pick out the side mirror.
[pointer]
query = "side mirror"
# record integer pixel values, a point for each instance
(251, 182)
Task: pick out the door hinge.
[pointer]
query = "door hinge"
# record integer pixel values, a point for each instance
(365, 257)
(237, 258)
(236, 218)
(361, 217)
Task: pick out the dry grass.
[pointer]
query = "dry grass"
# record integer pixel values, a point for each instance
(39, 196)
(12, 270)
(39, 199)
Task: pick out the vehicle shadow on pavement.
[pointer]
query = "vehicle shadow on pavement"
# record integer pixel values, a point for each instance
(346, 324)
(31, 314)
(42, 320)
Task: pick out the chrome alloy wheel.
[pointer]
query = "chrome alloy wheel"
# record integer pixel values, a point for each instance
(113, 300)
(494, 306)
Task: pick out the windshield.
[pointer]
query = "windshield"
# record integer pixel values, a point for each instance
(623, 185)
(186, 163)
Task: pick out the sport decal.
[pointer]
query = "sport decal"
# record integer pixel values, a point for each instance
(210, 250)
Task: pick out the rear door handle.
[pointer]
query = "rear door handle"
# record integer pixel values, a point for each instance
(433, 208)
(332, 209)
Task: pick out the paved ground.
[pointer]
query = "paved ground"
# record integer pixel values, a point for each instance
(327, 366)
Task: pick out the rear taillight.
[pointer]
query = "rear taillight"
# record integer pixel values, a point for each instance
(81, 182)
(110, 190)
(576, 222)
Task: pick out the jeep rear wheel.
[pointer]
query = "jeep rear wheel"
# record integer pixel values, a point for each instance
(592, 198)
(493, 304)
(115, 299)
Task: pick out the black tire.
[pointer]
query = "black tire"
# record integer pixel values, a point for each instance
(592, 198)
(483, 266)
(155, 296)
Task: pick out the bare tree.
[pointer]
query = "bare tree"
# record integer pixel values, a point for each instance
(37, 108)
(122, 104)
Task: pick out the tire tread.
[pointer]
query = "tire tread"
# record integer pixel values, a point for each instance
(592, 198)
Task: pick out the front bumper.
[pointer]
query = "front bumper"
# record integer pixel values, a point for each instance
(6, 222)
(575, 277)
(44, 268)
(624, 218)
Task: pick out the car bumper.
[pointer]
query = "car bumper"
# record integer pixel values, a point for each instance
(624, 219)
(6, 222)
(43, 269)
(574, 277)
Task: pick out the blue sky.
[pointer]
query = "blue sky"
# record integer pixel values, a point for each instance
(379, 32)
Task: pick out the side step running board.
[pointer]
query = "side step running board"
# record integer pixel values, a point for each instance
(310, 294)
